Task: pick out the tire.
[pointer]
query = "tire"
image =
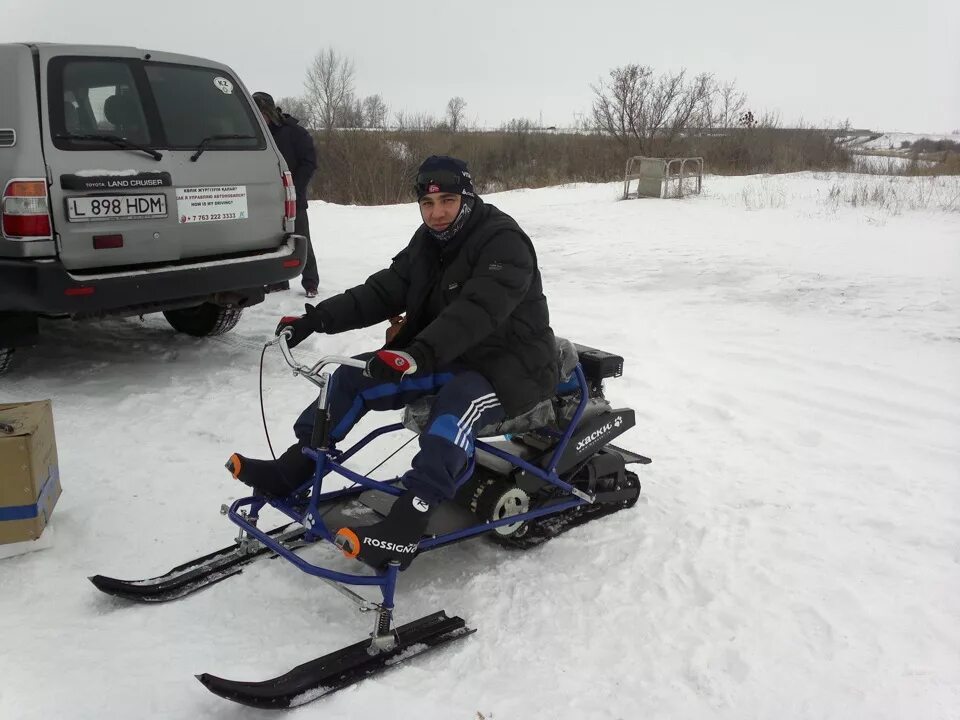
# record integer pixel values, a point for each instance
(631, 481)
(6, 359)
(204, 320)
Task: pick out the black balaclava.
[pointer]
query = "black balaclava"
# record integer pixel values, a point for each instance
(444, 236)
(442, 173)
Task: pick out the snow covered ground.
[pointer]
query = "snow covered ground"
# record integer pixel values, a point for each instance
(885, 155)
(794, 362)
(894, 140)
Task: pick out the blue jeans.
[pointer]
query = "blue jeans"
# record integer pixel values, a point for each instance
(465, 401)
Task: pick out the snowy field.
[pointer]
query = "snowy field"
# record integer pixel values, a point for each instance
(793, 356)
(894, 140)
(863, 161)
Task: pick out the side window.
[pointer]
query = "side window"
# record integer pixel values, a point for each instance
(196, 103)
(96, 96)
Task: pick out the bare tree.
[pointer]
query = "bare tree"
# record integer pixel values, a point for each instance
(769, 119)
(519, 126)
(328, 88)
(350, 114)
(689, 105)
(729, 106)
(375, 112)
(618, 109)
(455, 110)
(637, 106)
(417, 122)
(296, 107)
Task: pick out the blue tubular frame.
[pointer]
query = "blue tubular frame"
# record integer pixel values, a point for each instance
(330, 460)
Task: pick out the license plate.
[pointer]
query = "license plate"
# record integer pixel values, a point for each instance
(115, 207)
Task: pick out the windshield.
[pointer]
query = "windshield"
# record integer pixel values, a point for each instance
(158, 105)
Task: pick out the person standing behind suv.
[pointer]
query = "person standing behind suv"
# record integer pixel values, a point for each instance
(296, 145)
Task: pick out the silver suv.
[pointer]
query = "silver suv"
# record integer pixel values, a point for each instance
(135, 182)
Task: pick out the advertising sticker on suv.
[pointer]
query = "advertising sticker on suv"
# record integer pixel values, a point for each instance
(211, 204)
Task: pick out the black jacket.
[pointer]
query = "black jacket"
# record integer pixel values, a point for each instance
(296, 145)
(476, 302)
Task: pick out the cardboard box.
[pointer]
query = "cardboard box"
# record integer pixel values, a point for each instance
(29, 472)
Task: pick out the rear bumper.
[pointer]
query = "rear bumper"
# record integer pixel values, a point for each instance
(45, 287)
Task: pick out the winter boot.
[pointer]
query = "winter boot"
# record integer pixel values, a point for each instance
(396, 537)
(276, 478)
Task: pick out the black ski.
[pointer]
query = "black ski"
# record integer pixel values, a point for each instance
(341, 668)
(198, 573)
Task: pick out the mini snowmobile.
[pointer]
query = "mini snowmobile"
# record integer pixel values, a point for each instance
(554, 470)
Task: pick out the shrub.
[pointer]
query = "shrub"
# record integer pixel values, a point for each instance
(373, 167)
(927, 145)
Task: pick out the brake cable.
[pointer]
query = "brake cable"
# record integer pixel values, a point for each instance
(409, 439)
(266, 431)
(263, 413)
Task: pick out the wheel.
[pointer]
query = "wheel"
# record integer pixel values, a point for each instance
(6, 359)
(204, 320)
(499, 499)
(631, 481)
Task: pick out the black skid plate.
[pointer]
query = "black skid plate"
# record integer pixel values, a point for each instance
(341, 668)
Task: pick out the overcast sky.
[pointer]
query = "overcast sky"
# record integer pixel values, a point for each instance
(883, 65)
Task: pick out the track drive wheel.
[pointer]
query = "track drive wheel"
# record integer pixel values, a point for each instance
(499, 499)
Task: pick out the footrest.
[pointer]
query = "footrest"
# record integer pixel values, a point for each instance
(447, 518)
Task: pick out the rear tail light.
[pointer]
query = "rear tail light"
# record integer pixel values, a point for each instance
(26, 210)
(79, 291)
(290, 197)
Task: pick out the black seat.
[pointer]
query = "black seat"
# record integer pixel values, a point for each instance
(543, 414)
(122, 112)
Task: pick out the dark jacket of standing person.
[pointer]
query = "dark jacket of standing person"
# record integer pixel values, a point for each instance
(296, 145)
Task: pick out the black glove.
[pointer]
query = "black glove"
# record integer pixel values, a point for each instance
(301, 327)
(392, 365)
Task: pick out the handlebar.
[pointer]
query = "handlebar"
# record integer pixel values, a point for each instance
(312, 373)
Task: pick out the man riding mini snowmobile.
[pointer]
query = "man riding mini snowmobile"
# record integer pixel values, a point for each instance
(476, 334)
(474, 358)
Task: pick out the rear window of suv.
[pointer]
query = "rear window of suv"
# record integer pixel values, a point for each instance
(161, 105)
(99, 97)
(195, 103)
